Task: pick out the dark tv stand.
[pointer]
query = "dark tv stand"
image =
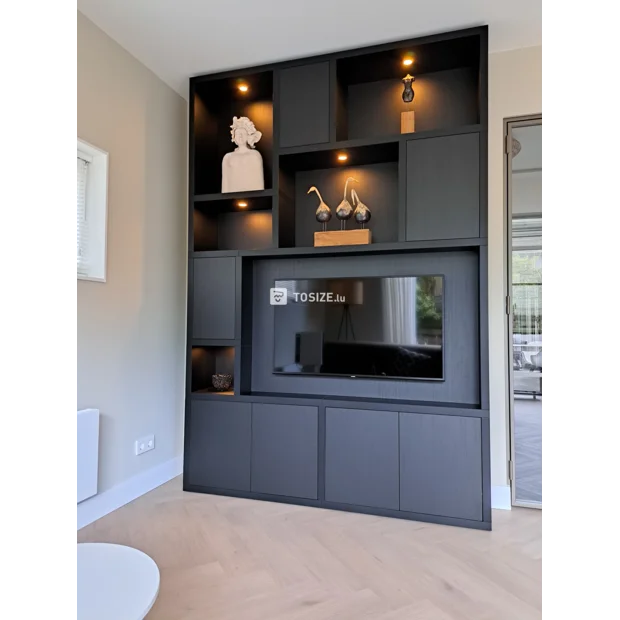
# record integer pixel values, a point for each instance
(405, 449)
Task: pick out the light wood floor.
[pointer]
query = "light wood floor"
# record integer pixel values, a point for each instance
(234, 559)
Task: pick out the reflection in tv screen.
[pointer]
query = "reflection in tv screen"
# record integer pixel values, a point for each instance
(360, 327)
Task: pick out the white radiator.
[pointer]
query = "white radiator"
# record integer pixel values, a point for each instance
(87, 453)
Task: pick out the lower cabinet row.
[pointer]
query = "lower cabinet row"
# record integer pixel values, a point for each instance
(420, 463)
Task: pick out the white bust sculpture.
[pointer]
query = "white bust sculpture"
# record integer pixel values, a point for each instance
(242, 170)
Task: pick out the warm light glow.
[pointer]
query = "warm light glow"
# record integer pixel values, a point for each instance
(408, 62)
(242, 204)
(342, 157)
(243, 88)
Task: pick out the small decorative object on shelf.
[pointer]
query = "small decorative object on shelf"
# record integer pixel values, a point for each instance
(323, 212)
(221, 382)
(407, 119)
(344, 210)
(362, 213)
(242, 170)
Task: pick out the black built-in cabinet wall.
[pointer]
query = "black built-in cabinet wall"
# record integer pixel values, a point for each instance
(402, 449)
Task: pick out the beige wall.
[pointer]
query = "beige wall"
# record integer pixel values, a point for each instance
(515, 89)
(131, 329)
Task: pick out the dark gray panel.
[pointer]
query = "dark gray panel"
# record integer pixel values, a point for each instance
(304, 105)
(214, 298)
(219, 445)
(361, 457)
(244, 231)
(321, 489)
(441, 465)
(484, 331)
(461, 326)
(285, 210)
(442, 100)
(339, 105)
(377, 187)
(443, 188)
(402, 191)
(239, 313)
(244, 353)
(285, 450)
(486, 470)
(484, 183)
(190, 322)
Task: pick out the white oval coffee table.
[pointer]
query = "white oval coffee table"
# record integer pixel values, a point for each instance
(114, 582)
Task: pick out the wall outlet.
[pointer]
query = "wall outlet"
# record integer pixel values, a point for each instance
(144, 444)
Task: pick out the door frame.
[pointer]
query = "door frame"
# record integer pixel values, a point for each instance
(510, 124)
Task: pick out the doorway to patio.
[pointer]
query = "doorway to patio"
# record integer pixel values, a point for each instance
(524, 306)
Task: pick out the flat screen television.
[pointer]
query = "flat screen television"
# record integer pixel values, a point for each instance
(379, 327)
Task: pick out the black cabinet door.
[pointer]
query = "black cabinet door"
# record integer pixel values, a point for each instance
(443, 188)
(441, 465)
(361, 457)
(220, 445)
(285, 450)
(304, 105)
(214, 298)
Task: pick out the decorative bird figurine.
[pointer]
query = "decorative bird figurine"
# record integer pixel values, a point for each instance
(344, 210)
(362, 213)
(323, 212)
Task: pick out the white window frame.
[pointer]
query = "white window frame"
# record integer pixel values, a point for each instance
(96, 210)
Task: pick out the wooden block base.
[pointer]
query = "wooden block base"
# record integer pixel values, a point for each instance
(359, 236)
(407, 122)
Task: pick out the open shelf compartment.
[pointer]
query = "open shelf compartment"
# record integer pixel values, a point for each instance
(210, 360)
(369, 88)
(375, 168)
(233, 222)
(215, 102)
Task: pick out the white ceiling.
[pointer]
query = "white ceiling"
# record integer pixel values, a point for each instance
(177, 39)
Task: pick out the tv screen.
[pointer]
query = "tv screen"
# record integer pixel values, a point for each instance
(359, 327)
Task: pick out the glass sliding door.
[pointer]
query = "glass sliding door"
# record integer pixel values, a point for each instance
(524, 305)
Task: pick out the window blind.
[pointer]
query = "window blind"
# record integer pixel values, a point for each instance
(82, 226)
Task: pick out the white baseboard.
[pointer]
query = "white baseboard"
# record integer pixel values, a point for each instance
(501, 498)
(104, 503)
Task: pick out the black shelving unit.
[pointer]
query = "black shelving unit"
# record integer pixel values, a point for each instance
(276, 438)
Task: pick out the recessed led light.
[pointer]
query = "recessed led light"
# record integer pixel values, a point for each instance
(342, 157)
(244, 88)
(407, 62)
(242, 204)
